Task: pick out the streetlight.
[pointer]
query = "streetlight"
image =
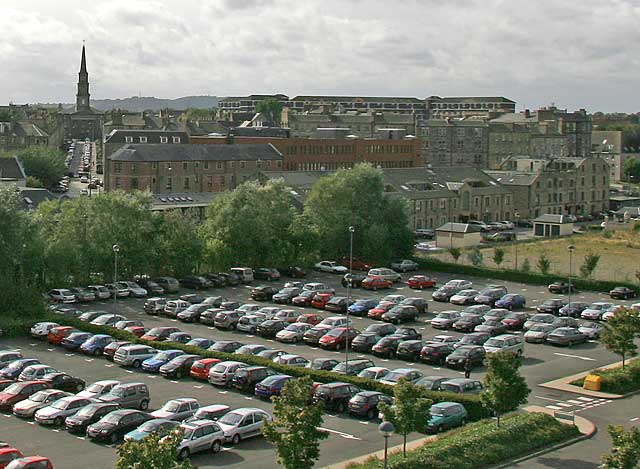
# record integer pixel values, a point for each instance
(570, 248)
(515, 235)
(346, 348)
(387, 429)
(116, 250)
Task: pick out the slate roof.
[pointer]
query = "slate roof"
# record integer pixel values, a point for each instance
(190, 152)
(633, 211)
(32, 197)
(29, 129)
(552, 218)
(473, 99)
(118, 135)
(171, 200)
(458, 228)
(11, 168)
(345, 99)
(514, 178)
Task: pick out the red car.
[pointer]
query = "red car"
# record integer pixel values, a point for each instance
(380, 309)
(304, 298)
(58, 334)
(356, 263)
(321, 299)
(20, 391)
(32, 462)
(200, 368)
(5, 383)
(138, 331)
(7, 455)
(337, 338)
(421, 281)
(375, 283)
(111, 349)
(310, 318)
(158, 334)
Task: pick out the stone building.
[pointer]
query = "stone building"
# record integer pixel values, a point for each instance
(607, 144)
(451, 142)
(472, 106)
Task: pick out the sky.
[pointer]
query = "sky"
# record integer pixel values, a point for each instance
(572, 53)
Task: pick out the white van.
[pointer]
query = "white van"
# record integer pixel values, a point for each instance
(244, 273)
(318, 287)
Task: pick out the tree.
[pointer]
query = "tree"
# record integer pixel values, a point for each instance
(505, 388)
(455, 253)
(526, 265)
(294, 429)
(251, 225)
(632, 168)
(619, 333)
(475, 257)
(544, 264)
(498, 256)
(625, 453)
(43, 163)
(355, 197)
(409, 413)
(589, 265)
(152, 452)
(34, 182)
(178, 242)
(271, 108)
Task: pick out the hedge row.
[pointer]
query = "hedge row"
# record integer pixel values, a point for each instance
(483, 444)
(618, 380)
(471, 402)
(532, 278)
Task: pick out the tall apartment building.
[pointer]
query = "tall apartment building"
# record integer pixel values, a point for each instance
(451, 142)
(471, 106)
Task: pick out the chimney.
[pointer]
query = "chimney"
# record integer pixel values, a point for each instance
(527, 113)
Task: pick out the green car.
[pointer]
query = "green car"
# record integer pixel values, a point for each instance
(446, 415)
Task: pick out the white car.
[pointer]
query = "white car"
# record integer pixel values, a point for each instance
(243, 423)
(60, 410)
(177, 409)
(98, 389)
(200, 435)
(100, 291)
(595, 310)
(331, 267)
(459, 284)
(404, 265)
(135, 290)
(384, 273)
(293, 332)
(62, 295)
(40, 330)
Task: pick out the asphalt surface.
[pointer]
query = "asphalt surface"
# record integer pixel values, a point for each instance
(542, 363)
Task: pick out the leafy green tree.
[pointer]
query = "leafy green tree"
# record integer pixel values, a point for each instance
(152, 452)
(34, 182)
(6, 115)
(544, 264)
(526, 265)
(498, 256)
(505, 388)
(294, 429)
(194, 114)
(589, 265)
(271, 108)
(475, 257)
(625, 453)
(455, 253)
(619, 333)
(409, 412)
(251, 225)
(43, 163)
(355, 197)
(177, 242)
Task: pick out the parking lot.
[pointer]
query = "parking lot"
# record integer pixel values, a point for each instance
(542, 363)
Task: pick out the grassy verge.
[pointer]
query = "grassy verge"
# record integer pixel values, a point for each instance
(618, 380)
(483, 444)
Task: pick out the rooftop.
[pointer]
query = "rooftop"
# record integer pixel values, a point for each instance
(190, 152)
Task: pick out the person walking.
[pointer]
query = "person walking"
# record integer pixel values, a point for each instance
(467, 368)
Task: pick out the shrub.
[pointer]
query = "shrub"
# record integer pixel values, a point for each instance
(498, 256)
(544, 264)
(526, 265)
(617, 380)
(475, 257)
(455, 253)
(589, 265)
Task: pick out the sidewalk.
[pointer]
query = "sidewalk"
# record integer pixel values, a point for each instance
(564, 384)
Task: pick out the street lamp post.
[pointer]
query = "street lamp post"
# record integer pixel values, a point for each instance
(515, 235)
(570, 248)
(116, 250)
(387, 429)
(346, 347)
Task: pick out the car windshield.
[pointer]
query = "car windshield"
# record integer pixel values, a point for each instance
(494, 343)
(61, 404)
(231, 418)
(118, 391)
(288, 290)
(14, 389)
(599, 307)
(446, 315)
(563, 332)
(162, 356)
(294, 327)
(449, 387)
(539, 328)
(335, 333)
(591, 325)
(360, 398)
(155, 332)
(87, 410)
(96, 388)
(317, 365)
(543, 318)
(151, 426)
(220, 368)
(39, 397)
(394, 376)
(437, 411)
(171, 406)
(368, 374)
(112, 418)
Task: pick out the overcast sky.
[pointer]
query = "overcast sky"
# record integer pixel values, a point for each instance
(574, 53)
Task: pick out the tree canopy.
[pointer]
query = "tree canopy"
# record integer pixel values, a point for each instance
(47, 165)
(152, 452)
(505, 388)
(620, 332)
(625, 453)
(271, 108)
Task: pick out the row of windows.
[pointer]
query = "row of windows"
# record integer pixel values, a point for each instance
(471, 105)
(186, 165)
(319, 150)
(144, 139)
(377, 149)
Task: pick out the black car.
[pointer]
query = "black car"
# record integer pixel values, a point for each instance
(573, 309)
(474, 338)
(387, 346)
(338, 304)
(74, 340)
(285, 295)
(419, 303)
(400, 313)
(473, 353)
(195, 282)
(559, 287)
(245, 379)
(551, 306)
(230, 278)
(178, 367)
(263, 293)
(265, 273)
(467, 322)
(365, 404)
(270, 327)
(444, 293)
(193, 312)
(112, 427)
(293, 272)
(622, 293)
(490, 295)
(151, 286)
(192, 298)
(435, 353)
(409, 350)
(89, 414)
(363, 342)
(322, 364)
(381, 329)
(336, 395)
(64, 382)
(407, 333)
(226, 346)
(352, 280)
(492, 326)
(217, 280)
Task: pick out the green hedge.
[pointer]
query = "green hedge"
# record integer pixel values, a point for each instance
(618, 380)
(471, 402)
(532, 278)
(483, 444)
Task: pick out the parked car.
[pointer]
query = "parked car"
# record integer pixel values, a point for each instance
(622, 293)
(560, 287)
(195, 282)
(293, 332)
(356, 263)
(89, 414)
(595, 310)
(566, 336)
(200, 368)
(226, 346)
(551, 306)
(420, 282)
(227, 319)
(271, 386)
(250, 349)
(591, 329)
(154, 305)
(407, 333)
(514, 320)
(108, 320)
(286, 295)
(363, 342)
(151, 286)
(100, 292)
(243, 423)
(462, 386)
(467, 322)
(511, 301)
(135, 290)
(322, 364)
(29, 462)
(64, 382)
(473, 338)
(365, 404)
(8, 356)
(58, 411)
(464, 297)
(473, 353)
(537, 334)
(436, 353)
(177, 409)
(159, 426)
(387, 274)
(264, 273)
(110, 350)
(490, 295)
(193, 312)
(128, 395)
(410, 375)
(250, 323)
(505, 343)
(178, 366)
(271, 327)
(74, 340)
(376, 283)
(173, 307)
(352, 280)
(400, 313)
(40, 330)
(573, 309)
(133, 355)
(304, 298)
(444, 293)
(419, 303)
(374, 372)
(318, 287)
(492, 326)
(263, 293)
(445, 319)
(310, 318)
(331, 267)
(293, 272)
(222, 373)
(17, 392)
(117, 290)
(431, 383)
(387, 346)
(338, 304)
(16, 367)
(198, 436)
(291, 359)
(540, 318)
(159, 334)
(409, 350)
(246, 379)
(446, 415)
(565, 322)
(35, 372)
(335, 395)
(321, 299)
(404, 265)
(28, 407)
(170, 284)
(83, 295)
(62, 295)
(337, 338)
(381, 308)
(113, 426)
(313, 335)
(99, 388)
(209, 412)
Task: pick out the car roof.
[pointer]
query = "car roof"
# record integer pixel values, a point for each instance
(446, 405)
(460, 381)
(403, 370)
(183, 399)
(248, 410)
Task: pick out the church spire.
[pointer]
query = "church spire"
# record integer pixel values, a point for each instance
(82, 96)
(83, 63)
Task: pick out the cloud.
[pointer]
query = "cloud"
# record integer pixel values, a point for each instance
(577, 54)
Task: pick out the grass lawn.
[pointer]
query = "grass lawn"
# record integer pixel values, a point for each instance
(619, 255)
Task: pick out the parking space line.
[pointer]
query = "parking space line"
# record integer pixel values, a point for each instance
(573, 402)
(108, 365)
(175, 382)
(553, 407)
(222, 392)
(33, 345)
(31, 423)
(50, 349)
(128, 371)
(80, 437)
(248, 398)
(364, 422)
(55, 430)
(634, 419)
(564, 404)
(585, 398)
(198, 386)
(88, 360)
(574, 356)
(8, 416)
(69, 354)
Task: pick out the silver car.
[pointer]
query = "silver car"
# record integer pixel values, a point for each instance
(37, 401)
(133, 355)
(135, 290)
(293, 332)
(200, 435)
(243, 423)
(35, 372)
(60, 410)
(177, 409)
(100, 292)
(222, 373)
(98, 389)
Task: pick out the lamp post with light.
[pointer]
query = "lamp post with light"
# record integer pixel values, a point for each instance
(515, 235)
(570, 248)
(387, 429)
(116, 250)
(348, 332)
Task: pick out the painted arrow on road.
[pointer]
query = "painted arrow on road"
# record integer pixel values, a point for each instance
(348, 436)
(575, 356)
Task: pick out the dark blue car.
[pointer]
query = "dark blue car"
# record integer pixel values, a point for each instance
(96, 344)
(271, 386)
(511, 301)
(153, 364)
(74, 340)
(13, 370)
(362, 307)
(201, 342)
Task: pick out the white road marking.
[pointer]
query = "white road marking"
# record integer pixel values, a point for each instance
(553, 407)
(8, 416)
(198, 386)
(175, 382)
(347, 436)
(108, 365)
(564, 404)
(248, 398)
(33, 345)
(364, 422)
(80, 437)
(128, 371)
(51, 350)
(634, 419)
(546, 398)
(437, 368)
(69, 354)
(88, 360)
(585, 398)
(31, 423)
(222, 392)
(575, 356)
(55, 430)
(152, 377)
(573, 402)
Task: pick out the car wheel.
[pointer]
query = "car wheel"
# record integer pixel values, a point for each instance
(371, 414)
(97, 352)
(136, 364)
(144, 405)
(179, 374)
(440, 428)
(340, 407)
(337, 347)
(113, 439)
(58, 421)
(79, 387)
(216, 446)
(236, 439)
(184, 453)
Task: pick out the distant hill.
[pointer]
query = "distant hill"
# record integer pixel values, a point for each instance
(143, 103)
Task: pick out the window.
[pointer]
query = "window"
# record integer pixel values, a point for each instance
(206, 165)
(154, 165)
(169, 184)
(185, 166)
(219, 165)
(164, 139)
(186, 183)
(128, 140)
(175, 139)
(134, 183)
(118, 183)
(133, 168)
(209, 182)
(143, 139)
(118, 167)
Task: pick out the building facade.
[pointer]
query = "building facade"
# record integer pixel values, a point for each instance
(450, 142)
(455, 107)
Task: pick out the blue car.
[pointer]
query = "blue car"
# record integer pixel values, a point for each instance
(271, 386)
(96, 344)
(511, 301)
(362, 307)
(445, 415)
(74, 340)
(201, 342)
(153, 364)
(13, 370)
(160, 426)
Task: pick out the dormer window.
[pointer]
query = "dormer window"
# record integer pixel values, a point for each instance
(128, 140)
(143, 139)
